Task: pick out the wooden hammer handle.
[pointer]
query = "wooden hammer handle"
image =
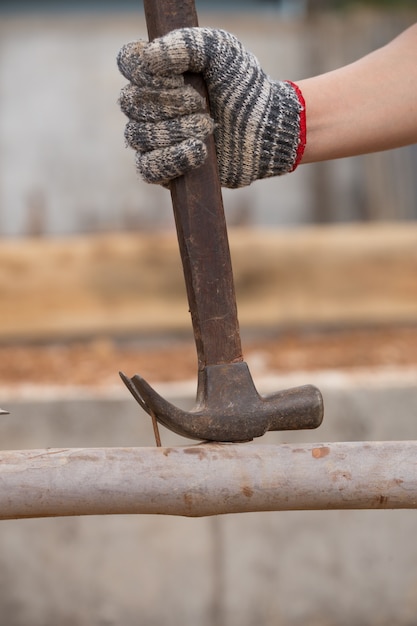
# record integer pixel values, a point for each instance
(200, 222)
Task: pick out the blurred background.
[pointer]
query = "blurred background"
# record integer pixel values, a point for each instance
(65, 168)
(325, 264)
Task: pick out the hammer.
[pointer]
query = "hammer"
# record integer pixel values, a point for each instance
(228, 407)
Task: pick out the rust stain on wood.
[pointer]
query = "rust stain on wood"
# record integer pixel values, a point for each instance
(247, 491)
(199, 451)
(319, 453)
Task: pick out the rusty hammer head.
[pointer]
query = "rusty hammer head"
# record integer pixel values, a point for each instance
(229, 407)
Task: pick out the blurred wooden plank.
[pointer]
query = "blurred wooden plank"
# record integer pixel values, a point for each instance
(328, 275)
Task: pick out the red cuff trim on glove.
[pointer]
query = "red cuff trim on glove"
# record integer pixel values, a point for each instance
(303, 125)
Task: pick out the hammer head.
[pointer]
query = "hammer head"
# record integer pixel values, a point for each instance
(229, 408)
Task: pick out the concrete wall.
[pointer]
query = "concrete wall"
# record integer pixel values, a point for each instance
(330, 568)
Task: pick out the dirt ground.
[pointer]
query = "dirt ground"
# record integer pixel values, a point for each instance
(97, 362)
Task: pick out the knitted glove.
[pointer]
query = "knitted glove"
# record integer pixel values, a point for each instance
(259, 123)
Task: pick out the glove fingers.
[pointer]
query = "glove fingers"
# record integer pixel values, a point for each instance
(145, 137)
(161, 166)
(131, 65)
(185, 49)
(150, 105)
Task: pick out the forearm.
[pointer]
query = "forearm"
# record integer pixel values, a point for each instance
(367, 106)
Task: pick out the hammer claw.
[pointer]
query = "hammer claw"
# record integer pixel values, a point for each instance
(229, 408)
(134, 391)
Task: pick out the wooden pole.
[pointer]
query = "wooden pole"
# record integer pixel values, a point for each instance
(208, 479)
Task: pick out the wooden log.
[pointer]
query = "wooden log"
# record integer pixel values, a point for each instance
(208, 479)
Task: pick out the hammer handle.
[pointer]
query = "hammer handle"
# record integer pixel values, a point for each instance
(200, 223)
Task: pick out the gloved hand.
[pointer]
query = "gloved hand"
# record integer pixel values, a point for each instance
(258, 123)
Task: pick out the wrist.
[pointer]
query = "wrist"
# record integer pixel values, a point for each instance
(284, 132)
(302, 137)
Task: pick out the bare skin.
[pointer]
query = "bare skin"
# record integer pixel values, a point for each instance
(367, 106)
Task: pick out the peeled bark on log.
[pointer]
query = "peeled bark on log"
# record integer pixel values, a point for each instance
(208, 479)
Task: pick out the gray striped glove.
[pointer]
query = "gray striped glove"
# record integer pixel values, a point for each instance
(258, 123)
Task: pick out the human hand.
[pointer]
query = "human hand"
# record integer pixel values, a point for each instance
(258, 123)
